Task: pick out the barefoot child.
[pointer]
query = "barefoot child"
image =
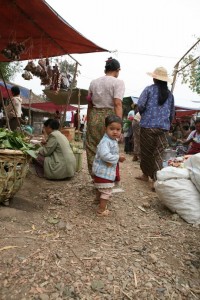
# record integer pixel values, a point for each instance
(105, 162)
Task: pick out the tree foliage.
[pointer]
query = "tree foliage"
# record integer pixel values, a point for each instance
(191, 74)
(9, 70)
(69, 68)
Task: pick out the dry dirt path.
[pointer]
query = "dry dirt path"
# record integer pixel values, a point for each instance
(53, 246)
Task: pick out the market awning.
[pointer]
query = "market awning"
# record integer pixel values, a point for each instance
(50, 107)
(43, 32)
(61, 96)
(185, 113)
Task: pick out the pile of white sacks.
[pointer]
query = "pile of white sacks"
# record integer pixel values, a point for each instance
(179, 189)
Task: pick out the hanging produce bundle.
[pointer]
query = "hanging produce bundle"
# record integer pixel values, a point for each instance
(43, 70)
(49, 75)
(13, 51)
(17, 141)
(27, 75)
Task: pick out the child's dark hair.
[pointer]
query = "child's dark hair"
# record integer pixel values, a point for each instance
(112, 119)
(15, 90)
(52, 123)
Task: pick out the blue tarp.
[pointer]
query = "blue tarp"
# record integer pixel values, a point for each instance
(24, 92)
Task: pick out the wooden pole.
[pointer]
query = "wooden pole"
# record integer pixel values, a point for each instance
(29, 107)
(5, 112)
(176, 70)
(79, 97)
(1, 74)
(187, 52)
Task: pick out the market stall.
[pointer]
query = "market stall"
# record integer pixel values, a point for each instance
(33, 30)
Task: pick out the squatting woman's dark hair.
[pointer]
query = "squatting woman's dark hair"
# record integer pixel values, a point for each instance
(112, 65)
(163, 91)
(52, 123)
(15, 90)
(112, 119)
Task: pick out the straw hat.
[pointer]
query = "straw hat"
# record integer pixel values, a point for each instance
(160, 74)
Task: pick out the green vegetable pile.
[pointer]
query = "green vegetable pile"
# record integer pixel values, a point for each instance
(77, 148)
(16, 141)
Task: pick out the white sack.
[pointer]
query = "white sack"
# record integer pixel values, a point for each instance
(172, 173)
(193, 164)
(181, 197)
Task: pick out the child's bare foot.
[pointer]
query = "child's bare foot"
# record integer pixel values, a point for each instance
(102, 209)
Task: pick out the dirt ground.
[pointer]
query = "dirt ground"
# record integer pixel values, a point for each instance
(53, 246)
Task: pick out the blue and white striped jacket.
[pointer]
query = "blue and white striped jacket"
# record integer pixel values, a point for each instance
(106, 158)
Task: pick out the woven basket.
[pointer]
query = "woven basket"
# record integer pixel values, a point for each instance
(14, 165)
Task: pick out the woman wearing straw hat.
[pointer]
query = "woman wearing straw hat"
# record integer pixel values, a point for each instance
(156, 107)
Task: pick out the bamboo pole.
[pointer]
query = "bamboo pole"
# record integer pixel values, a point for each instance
(79, 97)
(5, 112)
(188, 63)
(1, 74)
(176, 70)
(29, 107)
(187, 52)
(175, 76)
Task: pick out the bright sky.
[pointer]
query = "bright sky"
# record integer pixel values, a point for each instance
(145, 34)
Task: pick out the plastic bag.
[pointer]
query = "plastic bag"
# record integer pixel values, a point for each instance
(172, 173)
(193, 165)
(181, 197)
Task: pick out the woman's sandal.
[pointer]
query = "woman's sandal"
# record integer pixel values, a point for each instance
(104, 213)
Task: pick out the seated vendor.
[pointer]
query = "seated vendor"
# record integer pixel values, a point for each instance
(185, 129)
(56, 159)
(193, 139)
(177, 131)
(172, 140)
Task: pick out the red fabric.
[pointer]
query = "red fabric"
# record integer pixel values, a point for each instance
(117, 173)
(195, 147)
(50, 107)
(4, 92)
(102, 180)
(43, 31)
(184, 113)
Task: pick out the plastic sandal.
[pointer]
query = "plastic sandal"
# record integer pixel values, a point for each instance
(104, 213)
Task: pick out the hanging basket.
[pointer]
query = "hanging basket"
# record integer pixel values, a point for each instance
(14, 165)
